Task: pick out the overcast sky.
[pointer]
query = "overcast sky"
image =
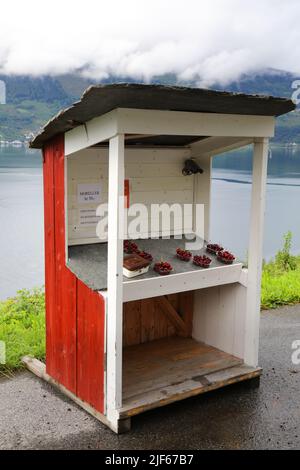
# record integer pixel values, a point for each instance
(213, 40)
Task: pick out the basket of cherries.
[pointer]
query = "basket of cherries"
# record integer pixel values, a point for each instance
(145, 255)
(225, 257)
(163, 268)
(130, 247)
(184, 255)
(202, 261)
(214, 248)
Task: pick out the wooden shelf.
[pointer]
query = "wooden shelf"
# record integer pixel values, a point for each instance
(89, 264)
(135, 289)
(170, 369)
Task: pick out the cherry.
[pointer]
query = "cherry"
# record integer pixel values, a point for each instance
(184, 255)
(163, 267)
(226, 256)
(203, 261)
(145, 255)
(130, 247)
(214, 248)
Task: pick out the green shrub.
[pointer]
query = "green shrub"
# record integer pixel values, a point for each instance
(284, 260)
(281, 277)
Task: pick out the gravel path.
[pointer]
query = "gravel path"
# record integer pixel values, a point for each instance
(35, 416)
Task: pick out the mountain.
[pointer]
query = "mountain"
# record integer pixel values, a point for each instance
(31, 101)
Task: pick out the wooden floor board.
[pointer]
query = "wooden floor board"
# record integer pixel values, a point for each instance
(161, 363)
(187, 388)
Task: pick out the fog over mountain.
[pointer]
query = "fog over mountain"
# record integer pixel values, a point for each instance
(207, 42)
(49, 53)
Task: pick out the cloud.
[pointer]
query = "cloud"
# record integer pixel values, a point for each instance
(215, 41)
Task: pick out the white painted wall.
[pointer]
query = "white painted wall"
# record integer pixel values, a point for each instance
(220, 316)
(154, 177)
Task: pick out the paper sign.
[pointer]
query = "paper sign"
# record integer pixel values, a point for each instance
(88, 217)
(88, 193)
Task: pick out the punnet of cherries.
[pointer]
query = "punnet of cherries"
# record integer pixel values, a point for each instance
(163, 268)
(223, 255)
(226, 257)
(184, 255)
(145, 255)
(202, 261)
(214, 248)
(131, 247)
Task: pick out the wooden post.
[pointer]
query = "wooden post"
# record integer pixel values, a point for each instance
(203, 193)
(115, 275)
(259, 177)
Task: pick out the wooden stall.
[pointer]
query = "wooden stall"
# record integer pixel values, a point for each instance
(119, 346)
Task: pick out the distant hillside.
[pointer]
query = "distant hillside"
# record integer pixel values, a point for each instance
(32, 101)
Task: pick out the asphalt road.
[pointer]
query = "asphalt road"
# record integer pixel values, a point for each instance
(35, 416)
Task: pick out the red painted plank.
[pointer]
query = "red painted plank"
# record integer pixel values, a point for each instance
(49, 227)
(65, 282)
(90, 346)
(74, 315)
(60, 282)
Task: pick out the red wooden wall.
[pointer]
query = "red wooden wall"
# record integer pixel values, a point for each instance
(75, 314)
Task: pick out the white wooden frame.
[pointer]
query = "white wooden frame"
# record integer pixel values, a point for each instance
(115, 276)
(181, 282)
(226, 132)
(259, 181)
(150, 122)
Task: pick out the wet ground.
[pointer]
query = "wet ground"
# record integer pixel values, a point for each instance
(35, 416)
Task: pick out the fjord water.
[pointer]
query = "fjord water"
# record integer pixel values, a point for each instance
(21, 209)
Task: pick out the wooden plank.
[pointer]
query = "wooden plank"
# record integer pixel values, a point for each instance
(187, 388)
(115, 274)
(157, 364)
(147, 320)
(146, 121)
(259, 179)
(202, 195)
(90, 346)
(181, 282)
(49, 230)
(65, 321)
(186, 309)
(132, 155)
(167, 308)
(174, 300)
(161, 322)
(92, 132)
(226, 311)
(143, 321)
(217, 145)
(169, 183)
(239, 321)
(131, 323)
(39, 369)
(60, 282)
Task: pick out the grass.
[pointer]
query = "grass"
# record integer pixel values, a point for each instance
(280, 289)
(22, 318)
(22, 327)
